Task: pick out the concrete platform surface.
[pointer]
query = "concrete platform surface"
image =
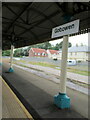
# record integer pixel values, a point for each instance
(32, 91)
(11, 109)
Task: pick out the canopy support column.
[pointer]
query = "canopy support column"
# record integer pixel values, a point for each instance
(61, 99)
(11, 59)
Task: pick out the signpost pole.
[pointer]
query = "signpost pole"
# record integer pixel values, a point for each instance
(11, 59)
(64, 65)
(61, 99)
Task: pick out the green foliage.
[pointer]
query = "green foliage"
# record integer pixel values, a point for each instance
(45, 64)
(6, 53)
(58, 46)
(19, 52)
(79, 61)
(61, 43)
(46, 45)
(26, 51)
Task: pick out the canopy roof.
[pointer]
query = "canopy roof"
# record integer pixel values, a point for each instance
(28, 23)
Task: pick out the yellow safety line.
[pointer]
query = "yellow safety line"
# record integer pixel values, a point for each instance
(22, 106)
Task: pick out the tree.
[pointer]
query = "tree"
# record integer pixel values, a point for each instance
(18, 52)
(45, 45)
(26, 51)
(59, 45)
(6, 53)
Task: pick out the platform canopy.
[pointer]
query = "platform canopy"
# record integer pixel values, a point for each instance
(28, 23)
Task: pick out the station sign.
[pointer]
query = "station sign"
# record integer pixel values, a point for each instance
(66, 29)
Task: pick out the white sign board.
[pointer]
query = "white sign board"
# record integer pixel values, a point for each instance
(66, 29)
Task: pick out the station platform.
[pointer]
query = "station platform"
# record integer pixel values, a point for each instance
(36, 94)
(12, 108)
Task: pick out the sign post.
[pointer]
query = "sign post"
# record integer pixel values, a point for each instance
(61, 99)
(64, 65)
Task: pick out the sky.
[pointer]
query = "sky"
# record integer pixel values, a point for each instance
(78, 39)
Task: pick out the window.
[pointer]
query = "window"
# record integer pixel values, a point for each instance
(75, 53)
(86, 54)
(43, 54)
(69, 61)
(38, 53)
(35, 53)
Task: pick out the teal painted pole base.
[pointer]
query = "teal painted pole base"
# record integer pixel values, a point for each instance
(62, 101)
(11, 70)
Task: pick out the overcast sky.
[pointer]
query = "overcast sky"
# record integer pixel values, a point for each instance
(78, 39)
